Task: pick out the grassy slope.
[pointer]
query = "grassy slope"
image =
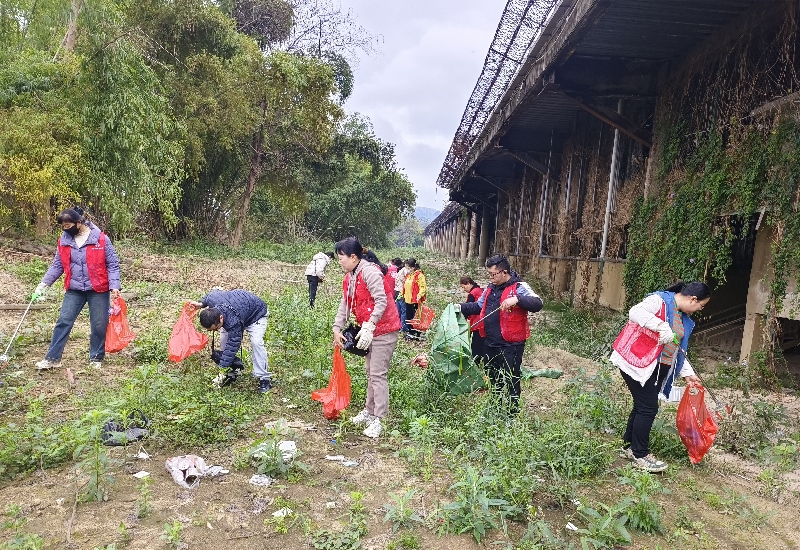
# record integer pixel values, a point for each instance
(517, 482)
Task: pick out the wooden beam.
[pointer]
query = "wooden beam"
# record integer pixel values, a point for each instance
(614, 119)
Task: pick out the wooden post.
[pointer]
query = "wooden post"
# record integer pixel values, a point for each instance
(473, 235)
(483, 250)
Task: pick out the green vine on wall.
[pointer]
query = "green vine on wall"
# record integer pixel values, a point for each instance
(684, 230)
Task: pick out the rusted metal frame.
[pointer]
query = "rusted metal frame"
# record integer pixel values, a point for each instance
(497, 74)
(477, 175)
(476, 199)
(525, 159)
(613, 119)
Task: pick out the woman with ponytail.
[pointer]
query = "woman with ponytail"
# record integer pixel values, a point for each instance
(666, 313)
(366, 294)
(89, 263)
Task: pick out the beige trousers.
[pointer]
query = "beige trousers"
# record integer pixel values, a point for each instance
(378, 359)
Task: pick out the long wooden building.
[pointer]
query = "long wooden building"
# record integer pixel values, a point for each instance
(640, 131)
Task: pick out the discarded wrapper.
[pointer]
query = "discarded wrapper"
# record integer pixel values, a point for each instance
(187, 470)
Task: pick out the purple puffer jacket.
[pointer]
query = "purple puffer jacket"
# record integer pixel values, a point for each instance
(80, 271)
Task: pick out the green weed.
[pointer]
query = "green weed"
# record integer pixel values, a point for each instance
(474, 511)
(93, 461)
(604, 528)
(143, 504)
(172, 533)
(405, 541)
(265, 454)
(643, 513)
(402, 513)
(14, 522)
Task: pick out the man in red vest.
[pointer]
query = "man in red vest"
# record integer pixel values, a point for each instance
(505, 333)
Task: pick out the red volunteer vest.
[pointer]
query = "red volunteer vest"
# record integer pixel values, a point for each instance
(363, 304)
(475, 293)
(95, 262)
(513, 324)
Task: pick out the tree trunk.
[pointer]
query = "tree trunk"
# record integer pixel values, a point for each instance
(72, 29)
(252, 179)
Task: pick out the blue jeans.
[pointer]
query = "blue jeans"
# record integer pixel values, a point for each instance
(401, 309)
(73, 303)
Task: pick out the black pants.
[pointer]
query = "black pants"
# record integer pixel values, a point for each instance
(504, 366)
(477, 344)
(411, 312)
(313, 283)
(643, 413)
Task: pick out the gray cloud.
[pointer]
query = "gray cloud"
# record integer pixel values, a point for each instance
(416, 88)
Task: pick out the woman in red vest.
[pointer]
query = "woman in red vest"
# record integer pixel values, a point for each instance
(89, 263)
(365, 295)
(474, 292)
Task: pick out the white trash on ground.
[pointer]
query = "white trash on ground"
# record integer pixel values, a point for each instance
(288, 449)
(187, 470)
(261, 480)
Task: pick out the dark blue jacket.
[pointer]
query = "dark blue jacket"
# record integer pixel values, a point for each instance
(239, 310)
(527, 300)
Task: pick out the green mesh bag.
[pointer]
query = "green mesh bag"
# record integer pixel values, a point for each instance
(451, 366)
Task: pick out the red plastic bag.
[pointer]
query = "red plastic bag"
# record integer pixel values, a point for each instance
(186, 339)
(119, 333)
(696, 424)
(336, 397)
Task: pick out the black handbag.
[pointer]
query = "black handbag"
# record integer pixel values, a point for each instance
(349, 335)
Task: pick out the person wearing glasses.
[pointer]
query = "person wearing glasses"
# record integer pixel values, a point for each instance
(502, 313)
(89, 263)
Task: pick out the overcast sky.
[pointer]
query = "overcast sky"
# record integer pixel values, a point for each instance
(415, 89)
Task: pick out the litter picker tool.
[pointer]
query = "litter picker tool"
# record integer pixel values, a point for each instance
(718, 405)
(4, 358)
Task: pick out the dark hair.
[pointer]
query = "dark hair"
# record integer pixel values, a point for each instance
(467, 281)
(209, 317)
(500, 261)
(412, 262)
(350, 246)
(698, 289)
(330, 254)
(370, 256)
(398, 262)
(71, 215)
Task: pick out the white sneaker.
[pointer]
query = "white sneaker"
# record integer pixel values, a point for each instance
(97, 365)
(374, 428)
(362, 418)
(46, 364)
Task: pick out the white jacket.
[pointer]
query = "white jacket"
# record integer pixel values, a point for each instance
(644, 314)
(318, 264)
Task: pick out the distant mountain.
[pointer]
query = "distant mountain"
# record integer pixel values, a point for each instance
(425, 215)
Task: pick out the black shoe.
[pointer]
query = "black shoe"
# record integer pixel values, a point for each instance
(231, 376)
(264, 385)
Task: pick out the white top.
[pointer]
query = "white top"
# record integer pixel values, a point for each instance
(318, 264)
(644, 314)
(400, 279)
